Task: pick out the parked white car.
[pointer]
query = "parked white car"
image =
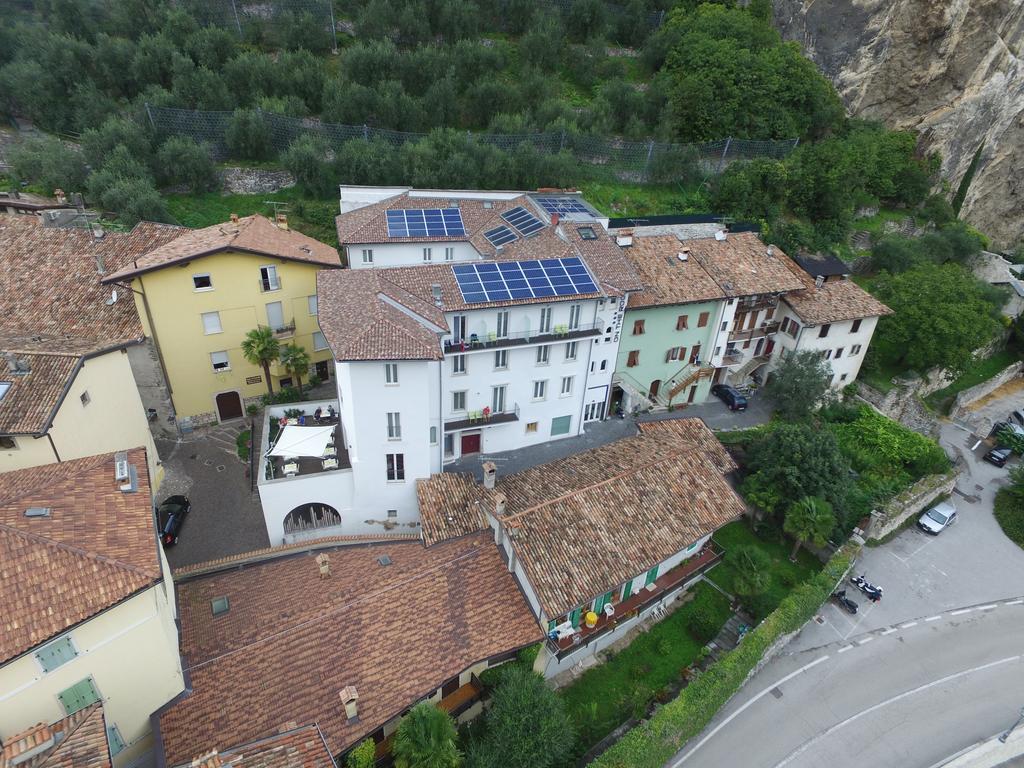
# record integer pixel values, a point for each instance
(938, 518)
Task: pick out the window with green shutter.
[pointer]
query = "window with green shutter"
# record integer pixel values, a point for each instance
(575, 617)
(78, 696)
(627, 589)
(552, 624)
(114, 740)
(56, 653)
(652, 575)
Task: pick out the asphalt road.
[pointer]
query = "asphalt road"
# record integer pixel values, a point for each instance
(903, 696)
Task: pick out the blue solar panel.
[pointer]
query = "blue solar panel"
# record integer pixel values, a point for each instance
(500, 235)
(561, 205)
(507, 280)
(425, 222)
(524, 221)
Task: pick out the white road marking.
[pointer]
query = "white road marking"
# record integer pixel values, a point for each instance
(908, 625)
(933, 618)
(960, 612)
(845, 648)
(892, 700)
(889, 631)
(1014, 602)
(739, 711)
(866, 640)
(986, 607)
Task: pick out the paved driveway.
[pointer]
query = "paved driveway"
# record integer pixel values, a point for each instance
(226, 517)
(970, 563)
(717, 415)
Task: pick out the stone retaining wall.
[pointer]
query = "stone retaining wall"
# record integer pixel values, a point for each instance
(910, 503)
(253, 181)
(975, 393)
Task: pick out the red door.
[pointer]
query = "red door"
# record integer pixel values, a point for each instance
(470, 444)
(769, 348)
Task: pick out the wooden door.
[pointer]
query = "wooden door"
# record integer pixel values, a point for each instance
(655, 386)
(470, 444)
(229, 406)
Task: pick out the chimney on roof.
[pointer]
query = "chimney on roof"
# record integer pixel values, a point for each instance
(554, 219)
(210, 760)
(60, 196)
(819, 281)
(770, 252)
(27, 744)
(97, 231)
(500, 501)
(282, 221)
(721, 234)
(490, 474)
(435, 291)
(350, 698)
(624, 238)
(683, 255)
(323, 562)
(234, 218)
(17, 366)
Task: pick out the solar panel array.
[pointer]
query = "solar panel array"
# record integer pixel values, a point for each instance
(510, 280)
(562, 205)
(425, 222)
(500, 235)
(524, 221)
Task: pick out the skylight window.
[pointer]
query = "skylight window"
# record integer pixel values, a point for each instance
(5, 387)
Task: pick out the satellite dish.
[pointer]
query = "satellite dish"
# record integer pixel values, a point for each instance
(113, 298)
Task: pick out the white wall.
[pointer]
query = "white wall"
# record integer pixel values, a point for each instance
(840, 337)
(335, 488)
(410, 254)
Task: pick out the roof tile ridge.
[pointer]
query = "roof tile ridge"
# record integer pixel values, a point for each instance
(514, 518)
(89, 711)
(71, 549)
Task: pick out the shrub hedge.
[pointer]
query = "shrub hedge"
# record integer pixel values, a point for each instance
(654, 741)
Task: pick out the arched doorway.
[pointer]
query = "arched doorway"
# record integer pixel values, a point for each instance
(229, 406)
(655, 386)
(309, 517)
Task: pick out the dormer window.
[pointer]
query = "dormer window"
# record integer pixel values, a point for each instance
(587, 233)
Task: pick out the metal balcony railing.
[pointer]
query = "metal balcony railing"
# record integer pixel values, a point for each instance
(285, 330)
(479, 418)
(477, 341)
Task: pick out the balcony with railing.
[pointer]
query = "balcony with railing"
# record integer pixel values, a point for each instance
(763, 329)
(475, 342)
(483, 418)
(284, 331)
(624, 610)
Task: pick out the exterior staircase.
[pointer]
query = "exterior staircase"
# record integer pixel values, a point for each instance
(748, 368)
(729, 636)
(638, 390)
(690, 374)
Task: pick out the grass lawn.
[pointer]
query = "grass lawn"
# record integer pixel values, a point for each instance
(621, 199)
(876, 224)
(311, 217)
(979, 371)
(609, 694)
(784, 574)
(880, 377)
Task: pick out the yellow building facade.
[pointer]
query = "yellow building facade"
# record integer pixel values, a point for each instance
(198, 305)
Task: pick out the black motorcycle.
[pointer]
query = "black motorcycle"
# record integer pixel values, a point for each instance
(846, 603)
(872, 592)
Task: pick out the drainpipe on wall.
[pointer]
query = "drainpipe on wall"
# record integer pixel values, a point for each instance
(53, 447)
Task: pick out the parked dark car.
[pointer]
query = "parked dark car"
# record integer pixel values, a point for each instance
(1018, 416)
(730, 396)
(999, 456)
(170, 516)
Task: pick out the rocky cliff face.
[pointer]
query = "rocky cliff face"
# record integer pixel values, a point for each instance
(951, 69)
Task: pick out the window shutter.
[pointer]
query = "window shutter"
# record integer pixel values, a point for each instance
(78, 696)
(56, 653)
(114, 740)
(703, 319)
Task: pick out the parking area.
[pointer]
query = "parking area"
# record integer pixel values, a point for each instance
(226, 517)
(970, 563)
(717, 415)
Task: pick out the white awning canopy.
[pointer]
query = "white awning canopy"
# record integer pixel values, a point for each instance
(302, 441)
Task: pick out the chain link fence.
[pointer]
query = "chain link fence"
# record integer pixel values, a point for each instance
(630, 160)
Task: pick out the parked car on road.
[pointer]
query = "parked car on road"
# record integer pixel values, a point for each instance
(999, 456)
(938, 518)
(170, 516)
(730, 396)
(999, 426)
(1018, 416)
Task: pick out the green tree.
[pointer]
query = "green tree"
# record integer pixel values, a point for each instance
(308, 159)
(248, 135)
(526, 726)
(426, 739)
(183, 161)
(134, 200)
(800, 384)
(99, 143)
(260, 348)
(753, 569)
(295, 361)
(363, 756)
(809, 521)
(50, 162)
(941, 315)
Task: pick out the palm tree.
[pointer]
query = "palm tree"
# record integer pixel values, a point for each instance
(295, 360)
(426, 739)
(753, 569)
(809, 520)
(261, 349)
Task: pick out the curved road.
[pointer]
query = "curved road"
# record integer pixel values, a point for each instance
(905, 696)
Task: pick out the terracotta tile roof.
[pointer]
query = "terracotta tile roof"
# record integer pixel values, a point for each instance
(296, 748)
(290, 641)
(34, 396)
(250, 234)
(452, 504)
(79, 741)
(585, 524)
(96, 547)
(836, 300)
(53, 299)
(742, 266)
(667, 279)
